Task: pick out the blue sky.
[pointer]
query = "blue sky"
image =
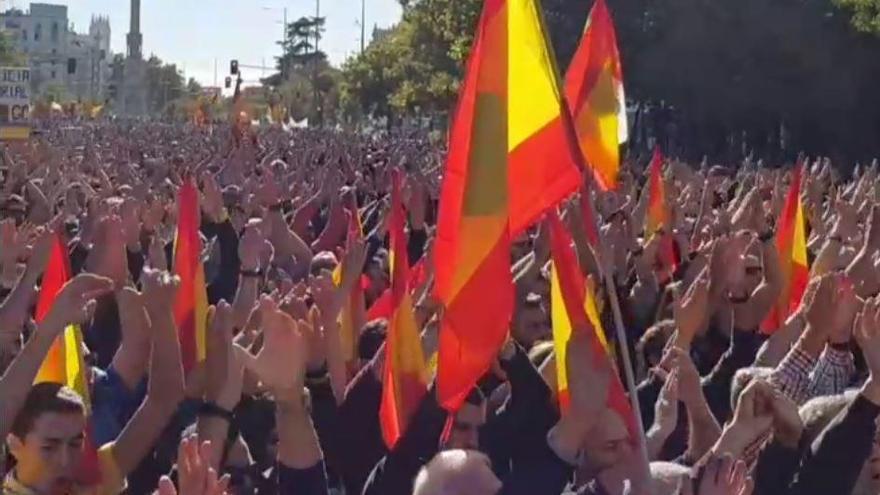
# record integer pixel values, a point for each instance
(192, 33)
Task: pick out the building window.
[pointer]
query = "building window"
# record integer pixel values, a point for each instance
(38, 31)
(55, 32)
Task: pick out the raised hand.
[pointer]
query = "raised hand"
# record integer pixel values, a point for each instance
(281, 362)
(666, 408)
(212, 199)
(194, 473)
(867, 334)
(159, 289)
(252, 246)
(75, 302)
(722, 475)
(753, 417)
(690, 311)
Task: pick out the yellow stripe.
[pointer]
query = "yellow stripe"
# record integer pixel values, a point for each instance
(201, 313)
(799, 243)
(532, 84)
(562, 325)
(561, 328)
(74, 364)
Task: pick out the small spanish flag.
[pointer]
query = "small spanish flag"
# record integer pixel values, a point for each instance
(594, 91)
(348, 317)
(64, 363)
(658, 218)
(405, 377)
(791, 244)
(191, 304)
(570, 311)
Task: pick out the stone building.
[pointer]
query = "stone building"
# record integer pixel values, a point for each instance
(76, 65)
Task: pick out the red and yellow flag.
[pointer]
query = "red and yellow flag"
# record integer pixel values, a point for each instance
(381, 307)
(348, 319)
(791, 244)
(405, 377)
(567, 288)
(658, 217)
(511, 156)
(571, 309)
(191, 303)
(594, 91)
(64, 363)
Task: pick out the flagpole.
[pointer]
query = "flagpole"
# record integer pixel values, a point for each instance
(622, 343)
(623, 347)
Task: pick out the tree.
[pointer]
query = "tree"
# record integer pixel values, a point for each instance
(164, 84)
(193, 88)
(750, 67)
(300, 49)
(866, 14)
(8, 54)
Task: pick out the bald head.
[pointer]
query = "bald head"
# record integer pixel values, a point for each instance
(457, 472)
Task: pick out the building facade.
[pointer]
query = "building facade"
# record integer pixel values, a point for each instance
(75, 65)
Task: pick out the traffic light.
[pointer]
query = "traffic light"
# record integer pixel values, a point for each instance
(233, 67)
(228, 82)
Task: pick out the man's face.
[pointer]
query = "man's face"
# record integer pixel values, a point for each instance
(466, 427)
(49, 455)
(531, 325)
(607, 444)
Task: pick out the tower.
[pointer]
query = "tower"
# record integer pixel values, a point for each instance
(133, 91)
(134, 39)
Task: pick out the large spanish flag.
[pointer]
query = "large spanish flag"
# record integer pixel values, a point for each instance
(512, 155)
(64, 363)
(564, 270)
(594, 91)
(571, 311)
(791, 243)
(405, 377)
(191, 303)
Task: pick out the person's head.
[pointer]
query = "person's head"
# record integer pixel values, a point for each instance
(530, 321)
(47, 436)
(818, 413)
(371, 339)
(457, 472)
(652, 344)
(323, 261)
(468, 420)
(606, 445)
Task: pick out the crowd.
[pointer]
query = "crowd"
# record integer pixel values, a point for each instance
(728, 407)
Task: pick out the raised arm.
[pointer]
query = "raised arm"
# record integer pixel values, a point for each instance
(73, 305)
(165, 389)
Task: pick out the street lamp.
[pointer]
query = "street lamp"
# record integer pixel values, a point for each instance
(284, 25)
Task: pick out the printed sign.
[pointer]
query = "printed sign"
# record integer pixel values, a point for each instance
(15, 102)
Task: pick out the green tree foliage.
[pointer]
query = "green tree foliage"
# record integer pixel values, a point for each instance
(164, 84)
(419, 64)
(8, 54)
(299, 49)
(752, 66)
(866, 14)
